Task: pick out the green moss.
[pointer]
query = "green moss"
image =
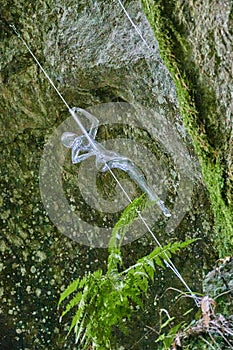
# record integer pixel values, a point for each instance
(199, 112)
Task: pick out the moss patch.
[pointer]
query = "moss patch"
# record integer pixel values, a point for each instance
(199, 112)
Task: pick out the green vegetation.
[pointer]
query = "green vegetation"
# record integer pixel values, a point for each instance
(100, 302)
(199, 116)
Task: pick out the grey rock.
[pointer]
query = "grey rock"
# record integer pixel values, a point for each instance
(94, 56)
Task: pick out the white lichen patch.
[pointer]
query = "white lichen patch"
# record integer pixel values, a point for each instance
(56, 330)
(5, 215)
(23, 271)
(33, 269)
(161, 99)
(28, 289)
(36, 210)
(40, 256)
(25, 255)
(206, 226)
(22, 233)
(72, 207)
(63, 287)
(14, 266)
(2, 247)
(38, 292)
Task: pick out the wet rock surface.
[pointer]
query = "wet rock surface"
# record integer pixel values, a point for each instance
(94, 56)
(208, 28)
(218, 285)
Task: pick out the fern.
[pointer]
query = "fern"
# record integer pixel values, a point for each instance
(127, 217)
(103, 301)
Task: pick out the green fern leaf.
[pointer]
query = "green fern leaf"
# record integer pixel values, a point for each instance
(78, 283)
(70, 289)
(80, 329)
(103, 301)
(77, 319)
(140, 273)
(74, 302)
(127, 217)
(159, 262)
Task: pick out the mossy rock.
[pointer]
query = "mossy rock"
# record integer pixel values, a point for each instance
(94, 56)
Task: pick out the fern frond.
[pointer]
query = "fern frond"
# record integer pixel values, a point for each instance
(147, 263)
(74, 302)
(127, 217)
(69, 290)
(104, 301)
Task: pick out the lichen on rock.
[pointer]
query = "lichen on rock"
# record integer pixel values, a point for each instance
(94, 55)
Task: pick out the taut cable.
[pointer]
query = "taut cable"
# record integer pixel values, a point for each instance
(167, 261)
(73, 114)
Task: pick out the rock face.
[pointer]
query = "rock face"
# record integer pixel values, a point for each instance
(195, 39)
(208, 28)
(218, 285)
(94, 56)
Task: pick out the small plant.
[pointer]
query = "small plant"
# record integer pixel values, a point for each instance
(100, 301)
(208, 331)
